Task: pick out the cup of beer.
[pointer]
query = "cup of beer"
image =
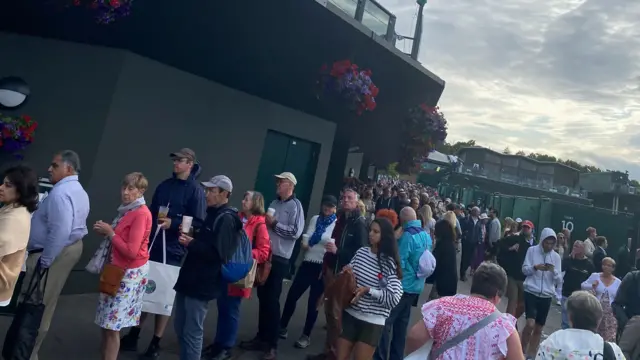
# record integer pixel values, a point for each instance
(163, 212)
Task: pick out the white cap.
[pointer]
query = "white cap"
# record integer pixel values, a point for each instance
(483, 216)
(518, 220)
(219, 181)
(288, 176)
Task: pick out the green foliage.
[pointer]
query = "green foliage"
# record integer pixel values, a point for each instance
(391, 169)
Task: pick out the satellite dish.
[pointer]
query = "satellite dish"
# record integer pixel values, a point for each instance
(13, 92)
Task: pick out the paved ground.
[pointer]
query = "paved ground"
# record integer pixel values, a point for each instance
(73, 335)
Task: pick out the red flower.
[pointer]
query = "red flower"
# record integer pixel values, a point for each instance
(374, 90)
(379, 276)
(115, 3)
(26, 118)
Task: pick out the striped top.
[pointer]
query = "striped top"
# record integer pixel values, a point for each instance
(289, 218)
(375, 306)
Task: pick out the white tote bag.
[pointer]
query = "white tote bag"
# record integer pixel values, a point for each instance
(99, 258)
(159, 294)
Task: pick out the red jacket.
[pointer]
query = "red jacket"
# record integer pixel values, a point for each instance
(258, 235)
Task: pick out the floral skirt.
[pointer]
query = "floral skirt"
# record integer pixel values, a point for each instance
(124, 309)
(608, 326)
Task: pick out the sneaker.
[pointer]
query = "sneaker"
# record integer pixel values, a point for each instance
(284, 334)
(129, 343)
(222, 355)
(255, 344)
(152, 353)
(210, 351)
(303, 342)
(271, 354)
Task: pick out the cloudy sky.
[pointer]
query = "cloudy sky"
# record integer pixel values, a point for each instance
(555, 76)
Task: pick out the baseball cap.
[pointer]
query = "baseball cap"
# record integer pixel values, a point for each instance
(483, 216)
(527, 223)
(288, 176)
(518, 220)
(184, 153)
(330, 201)
(219, 181)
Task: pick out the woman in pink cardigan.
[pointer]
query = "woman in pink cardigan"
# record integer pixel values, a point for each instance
(129, 237)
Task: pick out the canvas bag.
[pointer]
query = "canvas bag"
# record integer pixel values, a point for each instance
(159, 294)
(425, 353)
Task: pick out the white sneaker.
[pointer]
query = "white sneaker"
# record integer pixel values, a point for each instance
(303, 342)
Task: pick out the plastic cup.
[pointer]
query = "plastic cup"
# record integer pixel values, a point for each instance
(163, 212)
(271, 211)
(186, 224)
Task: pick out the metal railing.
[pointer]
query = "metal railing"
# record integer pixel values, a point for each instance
(371, 14)
(538, 183)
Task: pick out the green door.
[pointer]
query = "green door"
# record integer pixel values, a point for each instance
(281, 153)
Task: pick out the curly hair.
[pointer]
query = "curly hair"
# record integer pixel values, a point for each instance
(388, 214)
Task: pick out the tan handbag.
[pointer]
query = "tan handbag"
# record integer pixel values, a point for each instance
(110, 279)
(248, 281)
(262, 270)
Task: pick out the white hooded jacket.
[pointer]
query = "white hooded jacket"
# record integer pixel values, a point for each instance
(538, 282)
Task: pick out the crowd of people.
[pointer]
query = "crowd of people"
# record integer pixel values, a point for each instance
(366, 257)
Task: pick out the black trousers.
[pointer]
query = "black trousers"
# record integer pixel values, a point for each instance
(269, 302)
(465, 259)
(307, 277)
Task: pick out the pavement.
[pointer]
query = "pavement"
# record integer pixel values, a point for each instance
(74, 336)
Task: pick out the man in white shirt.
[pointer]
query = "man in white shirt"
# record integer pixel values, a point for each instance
(590, 242)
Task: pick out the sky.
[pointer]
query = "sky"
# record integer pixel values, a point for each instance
(560, 77)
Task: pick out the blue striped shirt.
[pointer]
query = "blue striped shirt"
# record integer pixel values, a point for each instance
(61, 219)
(290, 224)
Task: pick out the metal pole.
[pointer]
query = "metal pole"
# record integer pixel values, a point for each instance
(417, 37)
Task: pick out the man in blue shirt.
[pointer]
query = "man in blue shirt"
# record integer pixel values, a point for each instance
(57, 229)
(411, 245)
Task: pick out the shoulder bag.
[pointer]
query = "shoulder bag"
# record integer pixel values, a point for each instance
(264, 269)
(425, 353)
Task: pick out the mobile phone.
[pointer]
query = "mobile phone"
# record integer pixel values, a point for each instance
(549, 266)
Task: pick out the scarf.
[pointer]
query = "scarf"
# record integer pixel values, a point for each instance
(124, 209)
(322, 224)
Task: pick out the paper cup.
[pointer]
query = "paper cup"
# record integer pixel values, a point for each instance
(186, 223)
(271, 211)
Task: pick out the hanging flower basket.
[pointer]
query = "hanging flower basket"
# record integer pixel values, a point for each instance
(348, 82)
(16, 133)
(423, 130)
(107, 11)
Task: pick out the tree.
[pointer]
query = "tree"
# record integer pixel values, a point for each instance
(452, 149)
(506, 151)
(391, 169)
(521, 153)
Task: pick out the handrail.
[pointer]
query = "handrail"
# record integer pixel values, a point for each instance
(365, 16)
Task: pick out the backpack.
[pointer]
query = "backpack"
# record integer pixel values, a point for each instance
(241, 262)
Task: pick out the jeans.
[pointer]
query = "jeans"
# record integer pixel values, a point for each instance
(565, 315)
(397, 323)
(188, 322)
(269, 305)
(308, 276)
(228, 320)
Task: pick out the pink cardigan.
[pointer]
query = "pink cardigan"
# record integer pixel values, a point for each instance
(131, 240)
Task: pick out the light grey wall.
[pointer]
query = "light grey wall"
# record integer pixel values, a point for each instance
(125, 113)
(354, 160)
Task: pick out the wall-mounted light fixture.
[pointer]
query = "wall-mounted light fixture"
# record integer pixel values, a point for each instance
(13, 92)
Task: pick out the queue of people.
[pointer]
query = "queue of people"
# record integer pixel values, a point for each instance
(365, 261)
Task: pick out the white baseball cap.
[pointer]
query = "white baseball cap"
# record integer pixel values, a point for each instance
(219, 181)
(287, 176)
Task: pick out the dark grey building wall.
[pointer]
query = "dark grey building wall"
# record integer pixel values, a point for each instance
(151, 110)
(71, 89)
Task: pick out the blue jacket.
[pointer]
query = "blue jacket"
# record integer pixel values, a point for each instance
(184, 197)
(412, 244)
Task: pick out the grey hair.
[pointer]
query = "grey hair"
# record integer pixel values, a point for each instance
(353, 191)
(70, 158)
(584, 310)
(407, 214)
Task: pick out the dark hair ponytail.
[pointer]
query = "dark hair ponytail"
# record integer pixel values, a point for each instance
(388, 246)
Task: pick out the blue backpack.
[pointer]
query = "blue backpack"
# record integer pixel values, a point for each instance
(241, 261)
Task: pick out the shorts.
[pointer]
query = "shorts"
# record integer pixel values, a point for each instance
(355, 330)
(515, 289)
(536, 308)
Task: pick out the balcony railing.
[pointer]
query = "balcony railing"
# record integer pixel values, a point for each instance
(539, 183)
(371, 14)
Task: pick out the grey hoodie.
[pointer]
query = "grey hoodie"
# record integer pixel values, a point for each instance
(542, 283)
